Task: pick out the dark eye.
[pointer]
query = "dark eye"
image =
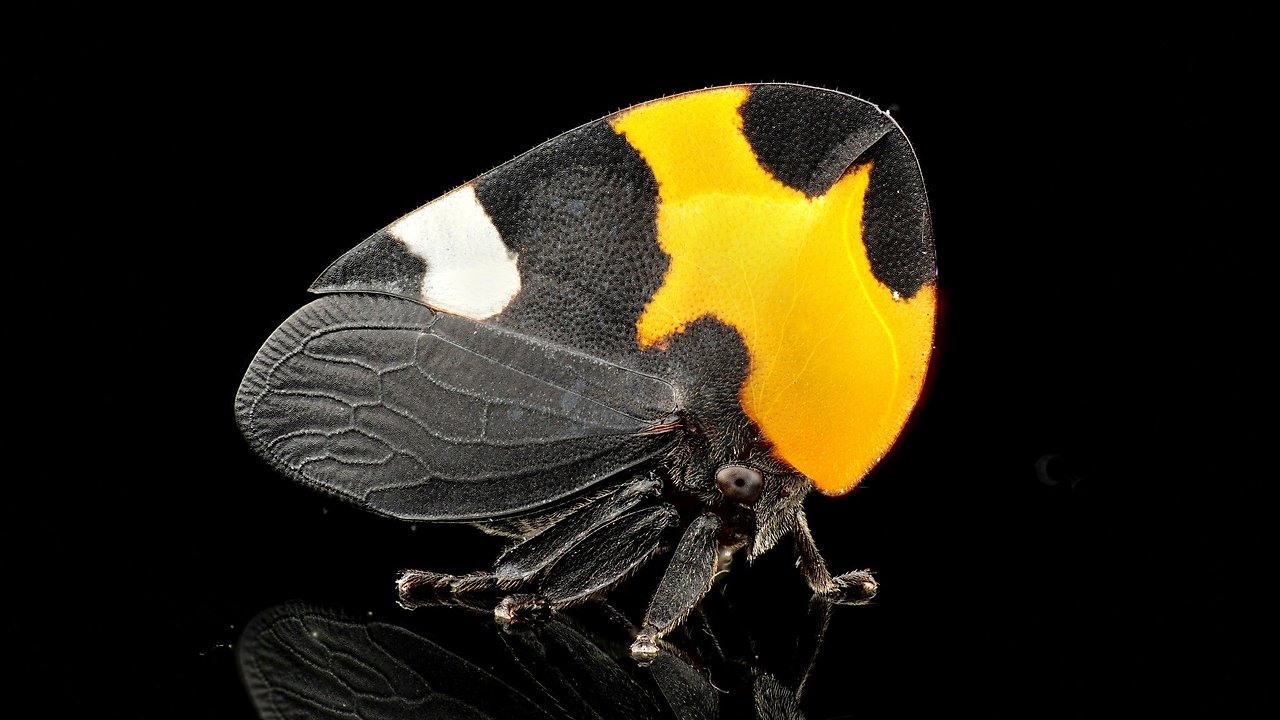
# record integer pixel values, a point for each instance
(739, 483)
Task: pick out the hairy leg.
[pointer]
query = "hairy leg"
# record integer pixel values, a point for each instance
(525, 560)
(688, 577)
(850, 588)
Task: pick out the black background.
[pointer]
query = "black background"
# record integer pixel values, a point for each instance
(1101, 302)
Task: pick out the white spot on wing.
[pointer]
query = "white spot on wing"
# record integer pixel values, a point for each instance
(469, 271)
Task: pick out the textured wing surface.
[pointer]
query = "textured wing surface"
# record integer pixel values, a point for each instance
(426, 416)
(299, 661)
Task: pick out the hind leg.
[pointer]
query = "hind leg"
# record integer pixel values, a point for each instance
(522, 563)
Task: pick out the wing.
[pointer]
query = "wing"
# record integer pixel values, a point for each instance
(422, 415)
(300, 661)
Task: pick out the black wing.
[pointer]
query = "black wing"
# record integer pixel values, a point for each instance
(299, 661)
(305, 661)
(426, 416)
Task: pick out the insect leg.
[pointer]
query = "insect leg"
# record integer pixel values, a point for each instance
(687, 579)
(530, 557)
(850, 588)
(607, 554)
(687, 691)
(820, 618)
(523, 561)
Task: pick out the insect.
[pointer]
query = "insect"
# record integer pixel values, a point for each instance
(661, 328)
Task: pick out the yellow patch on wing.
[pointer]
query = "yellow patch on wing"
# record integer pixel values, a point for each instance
(837, 362)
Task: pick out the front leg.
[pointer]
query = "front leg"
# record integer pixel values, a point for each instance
(851, 588)
(687, 579)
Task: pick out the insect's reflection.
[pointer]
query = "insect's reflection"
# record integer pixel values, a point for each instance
(451, 661)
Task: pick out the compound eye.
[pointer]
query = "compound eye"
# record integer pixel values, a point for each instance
(740, 483)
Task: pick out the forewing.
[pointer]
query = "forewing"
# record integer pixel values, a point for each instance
(427, 416)
(300, 661)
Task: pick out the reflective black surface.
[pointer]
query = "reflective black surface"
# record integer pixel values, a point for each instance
(1071, 525)
(300, 659)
